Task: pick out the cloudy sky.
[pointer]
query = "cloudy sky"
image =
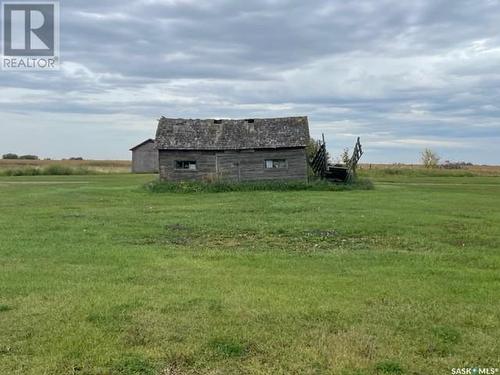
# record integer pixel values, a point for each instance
(403, 75)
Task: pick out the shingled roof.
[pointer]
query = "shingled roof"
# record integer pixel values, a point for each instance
(182, 134)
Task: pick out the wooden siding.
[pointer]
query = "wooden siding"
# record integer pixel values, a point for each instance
(245, 165)
(145, 159)
(205, 165)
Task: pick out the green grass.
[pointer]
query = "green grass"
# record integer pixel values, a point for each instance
(20, 167)
(100, 276)
(420, 172)
(385, 171)
(225, 187)
(51, 170)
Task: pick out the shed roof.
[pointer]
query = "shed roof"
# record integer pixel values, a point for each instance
(142, 144)
(210, 134)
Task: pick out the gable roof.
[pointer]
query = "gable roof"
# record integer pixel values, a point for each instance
(142, 144)
(183, 134)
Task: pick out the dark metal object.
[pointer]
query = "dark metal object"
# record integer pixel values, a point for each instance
(337, 172)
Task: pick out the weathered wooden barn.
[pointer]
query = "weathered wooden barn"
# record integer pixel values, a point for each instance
(234, 150)
(145, 157)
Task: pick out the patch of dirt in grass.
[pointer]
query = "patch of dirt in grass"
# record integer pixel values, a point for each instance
(179, 364)
(172, 369)
(309, 240)
(323, 234)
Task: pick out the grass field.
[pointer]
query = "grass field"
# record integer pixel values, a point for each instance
(91, 166)
(415, 170)
(99, 276)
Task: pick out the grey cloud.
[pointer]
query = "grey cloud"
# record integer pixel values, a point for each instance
(387, 70)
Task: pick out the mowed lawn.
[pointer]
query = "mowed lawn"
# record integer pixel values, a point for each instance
(99, 276)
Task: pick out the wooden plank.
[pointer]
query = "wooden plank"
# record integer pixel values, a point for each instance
(248, 166)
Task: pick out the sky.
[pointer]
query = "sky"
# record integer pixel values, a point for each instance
(402, 75)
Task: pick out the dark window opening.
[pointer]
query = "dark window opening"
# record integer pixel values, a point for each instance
(275, 164)
(217, 121)
(185, 165)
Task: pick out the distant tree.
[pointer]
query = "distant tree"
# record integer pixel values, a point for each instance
(312, 149)
(76, 158)
(429, 158)
(10, 156)
(344, 157)
(28, 157)
(455, 164)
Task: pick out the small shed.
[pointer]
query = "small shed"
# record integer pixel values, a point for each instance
(234, 150)
(145, 157)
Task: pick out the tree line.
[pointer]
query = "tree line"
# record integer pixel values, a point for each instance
(11, 156)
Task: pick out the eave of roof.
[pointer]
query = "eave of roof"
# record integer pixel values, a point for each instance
(142, 143)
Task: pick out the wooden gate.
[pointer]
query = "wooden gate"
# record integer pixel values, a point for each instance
(345, 173)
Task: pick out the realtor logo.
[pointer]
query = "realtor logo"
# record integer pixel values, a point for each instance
(30, 35)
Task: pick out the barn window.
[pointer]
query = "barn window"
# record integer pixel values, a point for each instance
(275, 163)
(185, 165)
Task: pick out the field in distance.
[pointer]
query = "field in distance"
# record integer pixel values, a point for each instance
(420, 170)
(365, 170)
(99, 166)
